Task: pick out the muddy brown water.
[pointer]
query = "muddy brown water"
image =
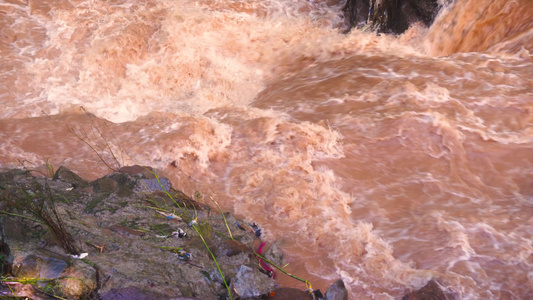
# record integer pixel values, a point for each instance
(384, 161)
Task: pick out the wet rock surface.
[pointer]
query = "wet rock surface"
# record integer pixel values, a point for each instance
(138, 241)
(249, 283)
(337, 291)
(431, 291)
(391, 16)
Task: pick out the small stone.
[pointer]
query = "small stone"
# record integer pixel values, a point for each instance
(337, 291)
(78, 281)
(66, 175)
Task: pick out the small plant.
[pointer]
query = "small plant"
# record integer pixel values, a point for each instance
(49, 167)
(197, 195)
(204, 229)
(37, 199)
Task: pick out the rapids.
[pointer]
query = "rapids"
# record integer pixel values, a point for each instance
(385, 161)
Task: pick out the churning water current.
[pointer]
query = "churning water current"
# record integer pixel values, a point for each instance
(385, 161)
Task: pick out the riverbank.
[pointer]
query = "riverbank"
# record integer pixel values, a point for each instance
(128, 235)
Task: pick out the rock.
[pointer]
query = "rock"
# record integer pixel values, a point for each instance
(275, 254)
(356, 12)
(232, 252)
(123, 179)
(78, 281)
(123, 191)
(337, 291)
(6, 259)
(232, 248)
(74, 280)
(104, 185)
(9, 175)
(391, 16)
(138, 171)
(431, 291)
(38, 266)
(251, 283)
(152, 185)
(125, 184)
(66, 175)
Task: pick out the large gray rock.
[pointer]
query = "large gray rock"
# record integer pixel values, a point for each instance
(38, 266)
(275, 254)
(251, 283)
(337, 291)
(356, 12)
(71, 279)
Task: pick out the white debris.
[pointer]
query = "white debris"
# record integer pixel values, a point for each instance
(81, 256)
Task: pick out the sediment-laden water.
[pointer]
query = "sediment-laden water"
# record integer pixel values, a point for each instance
(381, 160)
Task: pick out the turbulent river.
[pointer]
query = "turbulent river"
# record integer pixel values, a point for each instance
(382, 160)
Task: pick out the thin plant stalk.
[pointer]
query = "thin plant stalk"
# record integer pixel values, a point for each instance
(106, 141)
(199, 234)
(215, 260)
(38, 201)
(21, 216)
(85, 139)
(223, 216)
(49, 167)
(107, 138)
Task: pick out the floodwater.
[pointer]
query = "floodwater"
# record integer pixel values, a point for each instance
(385, 161)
